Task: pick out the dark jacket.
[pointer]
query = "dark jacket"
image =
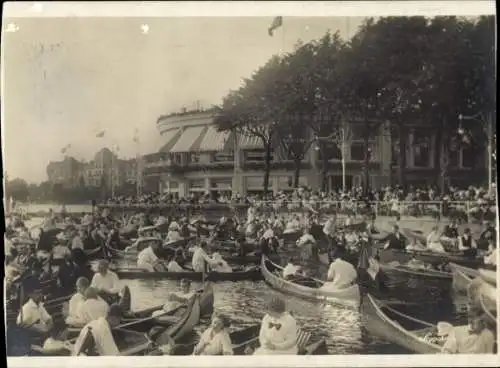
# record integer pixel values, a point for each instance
(395, 243)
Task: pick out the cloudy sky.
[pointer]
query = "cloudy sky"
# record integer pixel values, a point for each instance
(68, 78)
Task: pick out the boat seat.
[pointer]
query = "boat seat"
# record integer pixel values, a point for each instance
(303, 338)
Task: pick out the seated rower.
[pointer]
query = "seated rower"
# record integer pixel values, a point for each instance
(341, 274)
(474, 338)
(351, 239)
(60, 252)
(201, 259)
(306, 238)
(173, 265)
(100, 329)
(33, 315)
(107, 284)
(148, 260)
(395, 240)
(467, 244)
(76, 301)
(220, 264)
(175, 300)
(278, 331)
(491, 257)
(215, 340)
(434, 241)
(91, 309)
(293, 225)
(306, 243)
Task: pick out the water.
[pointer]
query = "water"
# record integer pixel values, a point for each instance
(244, 303)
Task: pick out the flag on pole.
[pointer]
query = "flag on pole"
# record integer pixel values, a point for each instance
(136, 136)
(100, 134)
(65, 149)
(277, 22)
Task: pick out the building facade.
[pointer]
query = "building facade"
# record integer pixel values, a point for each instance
(196, 157)
(66, 172)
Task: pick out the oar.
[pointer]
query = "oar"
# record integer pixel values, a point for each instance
(128, 324)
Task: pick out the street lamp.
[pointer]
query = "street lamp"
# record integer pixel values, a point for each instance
(488, 128)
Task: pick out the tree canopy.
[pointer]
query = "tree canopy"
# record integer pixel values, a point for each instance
(403, 70)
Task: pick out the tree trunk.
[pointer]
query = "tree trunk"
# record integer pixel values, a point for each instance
(444, 158)
(402, 155)
(324, 167)
(298, 163)
(267, 167)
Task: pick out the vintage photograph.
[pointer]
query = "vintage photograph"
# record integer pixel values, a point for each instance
(251, 185)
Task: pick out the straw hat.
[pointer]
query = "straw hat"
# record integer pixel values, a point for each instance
(173, 226)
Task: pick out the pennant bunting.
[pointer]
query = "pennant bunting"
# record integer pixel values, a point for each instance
(100, 134)
(277, 22)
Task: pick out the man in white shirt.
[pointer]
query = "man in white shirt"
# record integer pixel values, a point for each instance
(92, 308)
(201, 258)
(76, 301)
(77, 241)
(101, 331)
(147, 258)
(220, 264)
(341, 274)
(106, 282)
(33, 315)
(291, 270)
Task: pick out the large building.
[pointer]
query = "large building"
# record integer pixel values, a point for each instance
(195, 157)
(105, 170)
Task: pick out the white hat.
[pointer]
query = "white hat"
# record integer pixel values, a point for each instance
(444, 328)
(173, 226)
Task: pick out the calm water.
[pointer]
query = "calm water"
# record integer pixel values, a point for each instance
(244, 302)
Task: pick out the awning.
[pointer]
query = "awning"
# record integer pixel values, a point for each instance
(187, 140)
(169, 138)
(247, 142)
(214, 140)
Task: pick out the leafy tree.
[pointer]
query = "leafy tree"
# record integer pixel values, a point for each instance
(17, 189)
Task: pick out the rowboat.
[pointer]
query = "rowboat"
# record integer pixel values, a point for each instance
(397, 327)
(246, 340)
(434, 258)
(251, 273)
(128, 342)
(404, 270)
(272, 275)
(462, 276)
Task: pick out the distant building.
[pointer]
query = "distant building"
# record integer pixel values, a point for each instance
(66, 172)
(196, 157)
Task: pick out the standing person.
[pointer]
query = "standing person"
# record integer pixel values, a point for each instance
(278, 331)
(100, 331)
(215, 340)
(395, 240)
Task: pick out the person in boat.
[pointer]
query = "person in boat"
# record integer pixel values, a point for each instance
(220, 264)
(251, 229)
(395, 240)
(173, 233)
(474, 338)
(107, 284)
(76, 301)
(33, 315)
(488, 235)
(77, 241)
(173, 265)
(60, 252)
(100, 329)
(201, 259)
(293, 225)
(306, 243)
(268, 242)
(215, 340)
(351, 240)
(349, 220)
(148, 259)
(341, 274)
(278, 331)
(92, 308)
(176, 299)
(292, 270)
(434, 241)
(467, 244)
(491, 257)
(54, 344)
(330, 228)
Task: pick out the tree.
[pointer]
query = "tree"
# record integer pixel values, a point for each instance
(17, 189)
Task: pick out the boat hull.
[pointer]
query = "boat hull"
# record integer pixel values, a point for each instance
(462, 277)
(251, 275)
(348, 297)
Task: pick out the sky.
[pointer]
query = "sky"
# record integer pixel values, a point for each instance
(68, 78)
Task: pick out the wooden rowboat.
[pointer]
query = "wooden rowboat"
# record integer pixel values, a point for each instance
(403, 270)
(250, 273)
(403, 256)
(246, 340)
(462, 276)
(396, 327)
(272, 275)
(128, 342)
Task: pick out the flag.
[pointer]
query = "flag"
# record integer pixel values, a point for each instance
(136, 136)
(65, 149)
(277, 22)
(100, 134)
